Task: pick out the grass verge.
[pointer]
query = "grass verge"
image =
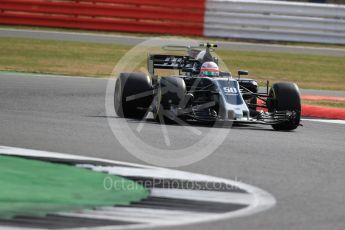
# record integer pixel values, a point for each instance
(308, 71)
(89, 59)
(59, 57)
(334, 104)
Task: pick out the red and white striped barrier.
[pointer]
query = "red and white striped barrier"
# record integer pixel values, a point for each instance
(250, 19)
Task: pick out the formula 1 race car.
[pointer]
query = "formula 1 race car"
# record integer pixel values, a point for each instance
(211, 98)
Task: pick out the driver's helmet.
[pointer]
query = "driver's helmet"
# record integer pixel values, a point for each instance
(209, 69)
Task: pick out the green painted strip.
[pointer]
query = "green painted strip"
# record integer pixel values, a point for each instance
(31, 187)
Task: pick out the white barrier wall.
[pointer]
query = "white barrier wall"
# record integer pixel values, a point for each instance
(275, 20)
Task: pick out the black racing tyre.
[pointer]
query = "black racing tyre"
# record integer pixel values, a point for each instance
(285, 96)
(127, 87)
(171, 92)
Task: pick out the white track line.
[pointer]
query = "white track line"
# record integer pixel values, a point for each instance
(340, 122)
(209, 196)
(156, 172)
(141, 215)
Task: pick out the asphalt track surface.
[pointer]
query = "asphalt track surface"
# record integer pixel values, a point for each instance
(304, 170)
(132, 40)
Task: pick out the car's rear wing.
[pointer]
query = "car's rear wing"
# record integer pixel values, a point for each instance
(181, 63)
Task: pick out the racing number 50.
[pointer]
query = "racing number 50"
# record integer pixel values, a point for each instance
(230, 90)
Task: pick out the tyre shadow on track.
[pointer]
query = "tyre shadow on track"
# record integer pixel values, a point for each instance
(193, 124)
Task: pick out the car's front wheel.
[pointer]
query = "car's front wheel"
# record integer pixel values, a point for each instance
(171, 93)
(285, 96)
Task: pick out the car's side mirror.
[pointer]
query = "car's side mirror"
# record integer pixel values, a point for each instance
(243, 72)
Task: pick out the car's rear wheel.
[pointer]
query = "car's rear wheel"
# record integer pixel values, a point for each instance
(285, 96)
(171, 93)
(133, 95)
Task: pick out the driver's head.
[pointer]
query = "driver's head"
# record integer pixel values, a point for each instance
(209, 69)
